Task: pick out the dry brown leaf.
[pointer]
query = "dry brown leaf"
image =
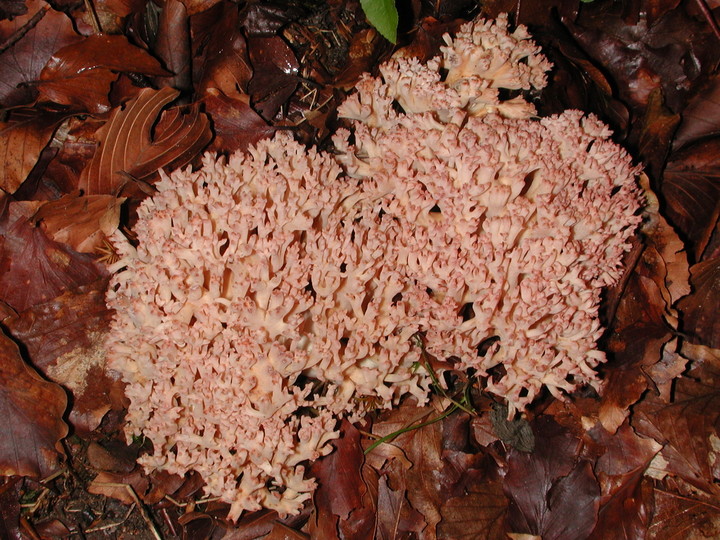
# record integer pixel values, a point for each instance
(35, 269)
(22, 139)
(700, 309)
(129, 151)
(47, 31)
(32, 410)
(82, 222)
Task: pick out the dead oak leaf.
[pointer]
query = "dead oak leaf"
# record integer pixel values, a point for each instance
(340, 486)
(481, 513)
(32, 410)
(128, 149)
(80, 75)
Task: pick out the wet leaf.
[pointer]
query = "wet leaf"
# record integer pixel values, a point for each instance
(275, 74)
(395, 517)
(686, 429)
(221, 59)
(82, 222)
(340, 486)
(80, 75)
(32, 410)
(64, 338)
(39, 33)
(626, 506)
(681, 516)
(128, 150)
(12, 8)
(481, 513)
(701, 117)
(172, 45)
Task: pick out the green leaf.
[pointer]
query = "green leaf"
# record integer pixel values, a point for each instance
(383, 15)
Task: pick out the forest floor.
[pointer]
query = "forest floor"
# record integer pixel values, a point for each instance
(86, 87)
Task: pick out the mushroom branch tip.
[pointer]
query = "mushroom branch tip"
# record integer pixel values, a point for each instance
(274, 292)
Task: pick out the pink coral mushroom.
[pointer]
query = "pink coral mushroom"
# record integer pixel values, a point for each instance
(269, 292)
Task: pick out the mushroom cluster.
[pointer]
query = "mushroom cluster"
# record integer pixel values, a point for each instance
(270, 293)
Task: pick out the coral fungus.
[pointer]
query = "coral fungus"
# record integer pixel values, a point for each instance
(269, 292)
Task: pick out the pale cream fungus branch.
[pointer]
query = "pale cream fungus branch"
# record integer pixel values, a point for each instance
(271, 291)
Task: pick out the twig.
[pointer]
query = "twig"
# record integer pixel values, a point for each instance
(108, 526)
(138, 503)
(93, 16)
(24, 29)
(709, 16)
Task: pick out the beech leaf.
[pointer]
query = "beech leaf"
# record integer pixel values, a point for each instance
(128, 149)
(22, 139)
(35, 269)
(46, 30)
(80, 74)
(552, 493)
(64, 338)
(32, 410)
(83, 223)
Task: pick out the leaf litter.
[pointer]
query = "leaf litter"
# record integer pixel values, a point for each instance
(85, 130)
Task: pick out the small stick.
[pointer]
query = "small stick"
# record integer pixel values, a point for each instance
(709, 16)
(93, 16)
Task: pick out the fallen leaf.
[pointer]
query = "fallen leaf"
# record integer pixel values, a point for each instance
(35, 269)
(275, 74)
(46, 30)
(680, 516)
(553, 493)
(172, 45)
(395, 517)
(236, 124)
(22, 140)
(64, 338)
(691, 188)
(32, 410)
(220, 58)
(12, 8)
(10, 509)
(340, 486)
(128, 149)
(701, 116)
(700, 308)
(481, 513)
(82, 222)
(80, 75)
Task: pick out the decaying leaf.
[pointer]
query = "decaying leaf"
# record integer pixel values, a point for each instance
(32, 410)
(64, 339)
(129, 149)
